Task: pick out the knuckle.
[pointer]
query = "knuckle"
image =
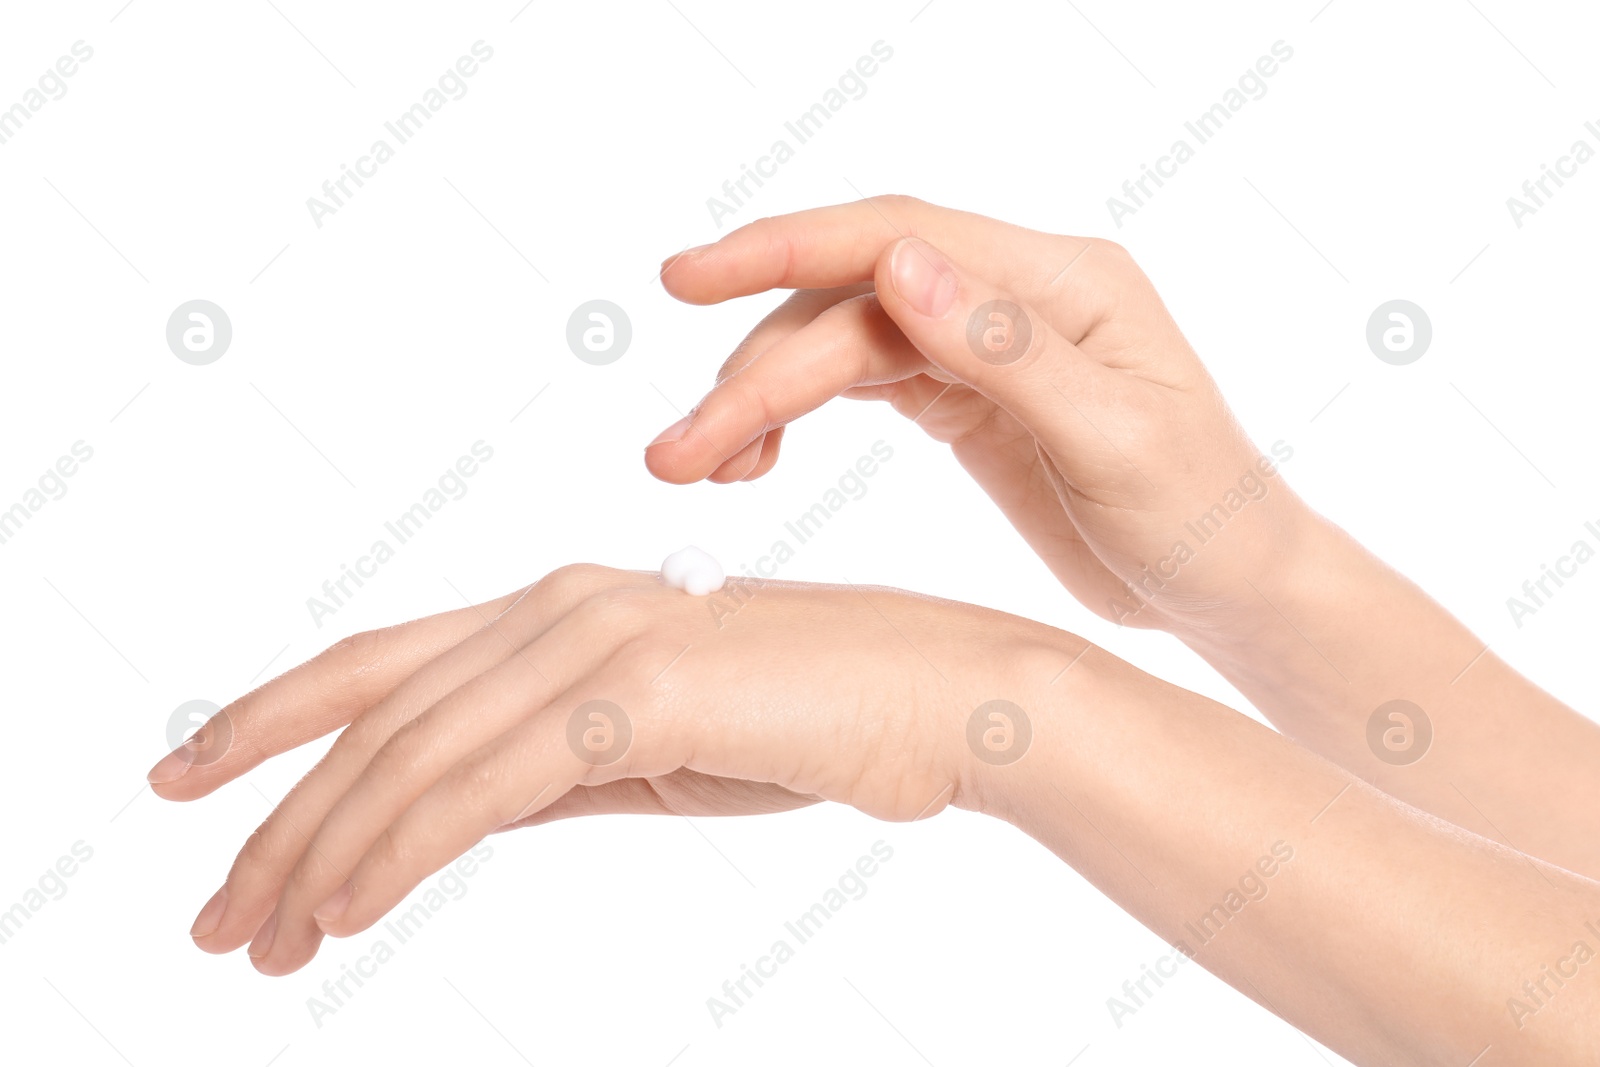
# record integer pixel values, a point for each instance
(388, 851)
(349, 657)
(745, 397)
(396, 753)
(744, 353)
(365, 734)
(625, 605)
(1117, 261)
(574, 580)
(308, 875)
(768, 230)
(259, 850)
(903, 201)
(644, 655)
(1109, 249)
(476, 786)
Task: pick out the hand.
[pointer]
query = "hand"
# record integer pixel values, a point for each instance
(1082, 411)
(1088, 418)
(481, 720)
(594, 691)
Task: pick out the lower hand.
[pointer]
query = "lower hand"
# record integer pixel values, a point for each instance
(594, 691)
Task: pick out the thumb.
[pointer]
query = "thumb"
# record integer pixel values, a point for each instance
(998, 345)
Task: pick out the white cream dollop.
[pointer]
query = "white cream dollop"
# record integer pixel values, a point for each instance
(693, 570)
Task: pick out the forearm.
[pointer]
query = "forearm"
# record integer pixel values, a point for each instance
(1340, 635)
(1386, 934)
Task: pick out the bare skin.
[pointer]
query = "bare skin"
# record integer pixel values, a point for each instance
(1106, 443)
(1391, 934)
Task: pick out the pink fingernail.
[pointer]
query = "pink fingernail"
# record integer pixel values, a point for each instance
(210, 917)
(330, 910)
(672, 433)
(262, 944)
(170, 768)
(670, 260)
(923, 278)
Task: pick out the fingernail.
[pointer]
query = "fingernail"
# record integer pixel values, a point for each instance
(210, 916)
(330, 909)
(695, 251)
(170, 768)
(922, 277)
(671, 433)
(262, 944)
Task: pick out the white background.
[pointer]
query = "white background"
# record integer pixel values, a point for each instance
(423, 316)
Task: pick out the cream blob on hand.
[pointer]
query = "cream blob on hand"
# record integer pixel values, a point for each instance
(693, 570)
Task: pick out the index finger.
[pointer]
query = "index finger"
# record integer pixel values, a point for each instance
(822, 248)
(319, 696)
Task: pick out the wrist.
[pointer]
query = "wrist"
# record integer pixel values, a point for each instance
(1327, 637)
(1012, 745)
(1298, 574)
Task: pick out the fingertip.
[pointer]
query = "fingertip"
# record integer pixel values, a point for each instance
(678, 275)
(196, 782)
(672, 434)
(210, 915)
(174, 791)
(665, 464)
(275, 968)
(261, 944)
(330, 910)
(241, 921)
(920, 276)
(344, 922)
(688, 451)
(169, 768)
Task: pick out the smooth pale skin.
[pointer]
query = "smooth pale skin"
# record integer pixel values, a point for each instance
(1099, 444)
(1394, 935)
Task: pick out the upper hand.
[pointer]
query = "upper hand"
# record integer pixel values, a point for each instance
(1081, 409)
